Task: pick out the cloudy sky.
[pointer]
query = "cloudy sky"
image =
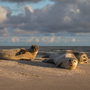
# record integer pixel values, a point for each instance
(45, 22)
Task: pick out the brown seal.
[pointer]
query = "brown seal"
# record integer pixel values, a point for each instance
(19, 54)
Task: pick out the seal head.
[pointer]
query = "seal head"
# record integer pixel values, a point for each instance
(82, 58)
(34, 48)
(72, 63)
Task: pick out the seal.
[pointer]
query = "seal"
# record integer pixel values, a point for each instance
(19, 54)
(67, 61)
(81, 56)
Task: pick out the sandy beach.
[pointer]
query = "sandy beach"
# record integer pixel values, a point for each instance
(35, 75)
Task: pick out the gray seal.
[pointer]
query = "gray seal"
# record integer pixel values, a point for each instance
(67, 61)
(81, 56)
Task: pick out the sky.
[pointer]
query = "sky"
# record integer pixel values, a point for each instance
(45, 22)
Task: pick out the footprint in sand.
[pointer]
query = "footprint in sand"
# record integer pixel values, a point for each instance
(25, 74)
(21, 73)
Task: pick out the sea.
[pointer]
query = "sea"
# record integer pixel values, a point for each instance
(46, 49)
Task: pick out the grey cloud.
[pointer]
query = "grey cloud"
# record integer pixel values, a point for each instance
(65, 1)
(20, 1)
(60, 17)
(4, 32)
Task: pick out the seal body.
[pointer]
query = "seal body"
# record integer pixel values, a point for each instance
(81, 56)
(68, 61)
(19, 54)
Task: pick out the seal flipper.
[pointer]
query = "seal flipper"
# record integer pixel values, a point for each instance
(59, 60)
(48, 61)
(47, 55)
(22, 51)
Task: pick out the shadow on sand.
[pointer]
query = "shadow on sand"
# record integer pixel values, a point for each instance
(37, 62)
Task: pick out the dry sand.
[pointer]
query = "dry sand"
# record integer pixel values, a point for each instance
(35, 75)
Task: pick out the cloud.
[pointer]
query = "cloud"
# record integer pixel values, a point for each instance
(44, 39)
(20, 1)
(49, 39)
(37, 40)
(29, 8)
(4, 32)
(30, 39)
(23, 32)
(3, 13)
(15, 39)
(58, 18)
(73, 40)
(65, 1)
(82, 34)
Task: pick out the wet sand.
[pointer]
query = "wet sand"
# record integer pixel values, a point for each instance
(36, 75)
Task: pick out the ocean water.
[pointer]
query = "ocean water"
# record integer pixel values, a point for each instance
(52, 48)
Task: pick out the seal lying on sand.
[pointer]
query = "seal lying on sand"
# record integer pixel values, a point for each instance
(19, 54)
(68, 61)
(81, 56)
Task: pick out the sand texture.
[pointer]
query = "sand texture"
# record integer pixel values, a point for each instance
(35, 75)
